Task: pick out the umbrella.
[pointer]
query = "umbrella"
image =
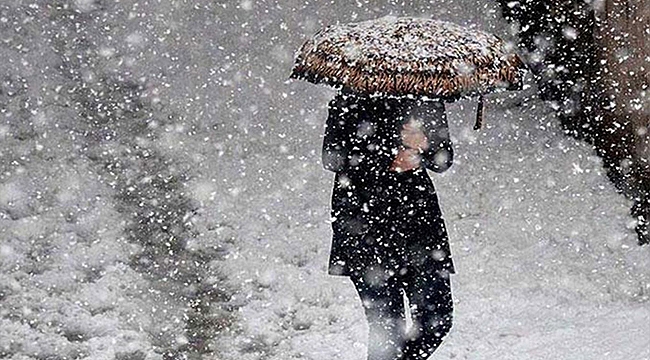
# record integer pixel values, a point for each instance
(403, 56)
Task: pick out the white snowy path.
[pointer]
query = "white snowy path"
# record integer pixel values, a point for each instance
(547, 265)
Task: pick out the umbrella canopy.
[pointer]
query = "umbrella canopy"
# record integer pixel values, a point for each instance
(409, 56)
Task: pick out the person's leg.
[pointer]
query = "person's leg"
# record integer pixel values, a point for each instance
(431, 311)
(384, 308)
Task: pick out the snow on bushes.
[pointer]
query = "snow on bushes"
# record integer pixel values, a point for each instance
(66, 283)
(95, 219)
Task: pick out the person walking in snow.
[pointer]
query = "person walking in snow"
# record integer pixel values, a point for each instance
(385, 129)
(389, 236)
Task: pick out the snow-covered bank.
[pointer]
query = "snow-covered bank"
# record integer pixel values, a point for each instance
(96, 257)
(537, 206)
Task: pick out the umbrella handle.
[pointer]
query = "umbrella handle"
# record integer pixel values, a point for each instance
(479, 113)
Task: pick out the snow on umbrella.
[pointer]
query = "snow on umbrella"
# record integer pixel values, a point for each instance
(409, 56)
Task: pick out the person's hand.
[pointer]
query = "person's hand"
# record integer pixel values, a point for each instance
(415, 142)
(406, 159)
(413, 136)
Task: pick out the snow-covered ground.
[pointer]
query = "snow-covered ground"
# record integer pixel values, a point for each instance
(161, 196)
(547, 264)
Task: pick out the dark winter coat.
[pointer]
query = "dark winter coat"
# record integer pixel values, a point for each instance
(381, 219)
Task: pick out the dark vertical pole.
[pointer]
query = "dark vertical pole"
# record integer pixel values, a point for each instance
(479, 114)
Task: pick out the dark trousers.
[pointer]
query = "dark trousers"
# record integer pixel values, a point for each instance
(431, 305)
